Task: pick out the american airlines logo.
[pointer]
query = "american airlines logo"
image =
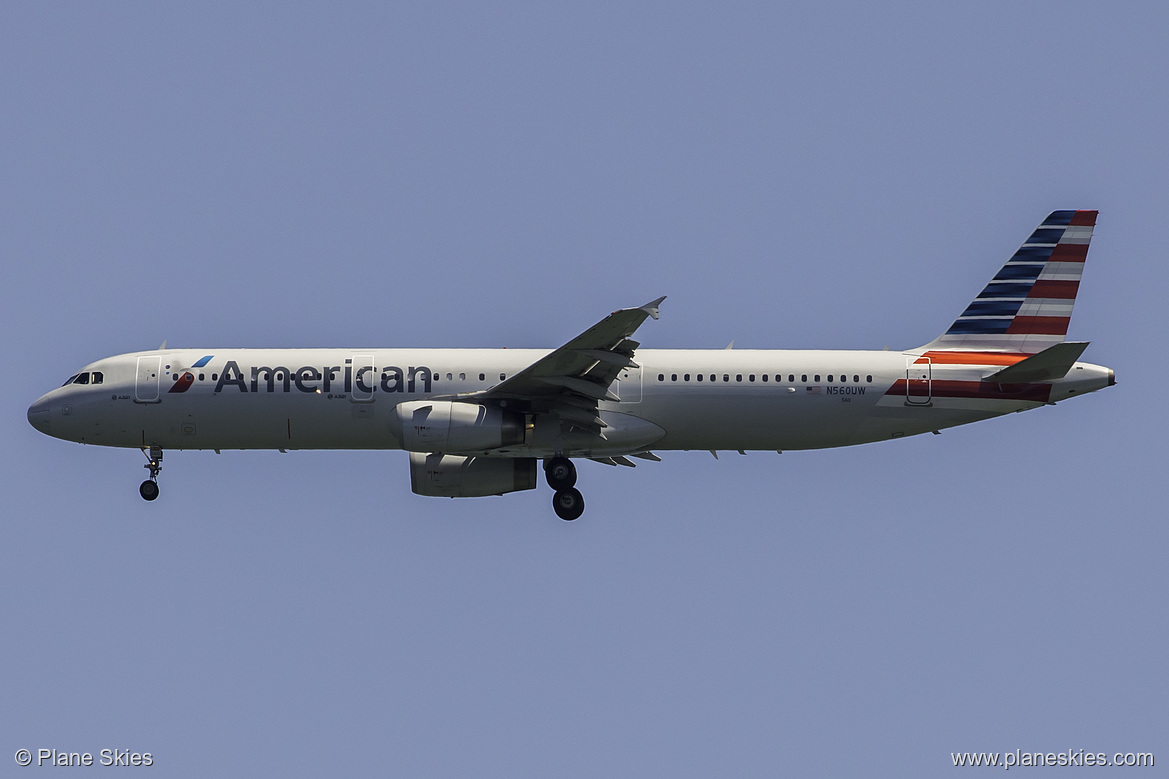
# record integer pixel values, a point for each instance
(184, 380)
(308, 378)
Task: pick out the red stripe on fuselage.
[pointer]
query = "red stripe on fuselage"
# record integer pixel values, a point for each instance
(972, 358)
(984, 390)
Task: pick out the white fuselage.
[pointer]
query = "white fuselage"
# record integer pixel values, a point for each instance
(676, 399)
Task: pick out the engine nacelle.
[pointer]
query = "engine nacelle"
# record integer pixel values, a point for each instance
(446, 426)
(452, 476)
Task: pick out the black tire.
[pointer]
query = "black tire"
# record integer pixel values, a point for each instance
(568, 504)
(560, 473)
(148, 490)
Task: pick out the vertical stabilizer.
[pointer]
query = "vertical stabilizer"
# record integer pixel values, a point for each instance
(1027, 306)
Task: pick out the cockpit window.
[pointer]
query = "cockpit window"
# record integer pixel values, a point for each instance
(97, 377)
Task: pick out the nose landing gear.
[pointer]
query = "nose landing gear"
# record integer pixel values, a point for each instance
(149, 488)
(561, 475)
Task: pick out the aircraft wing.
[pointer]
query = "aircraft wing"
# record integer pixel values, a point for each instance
(572, 379)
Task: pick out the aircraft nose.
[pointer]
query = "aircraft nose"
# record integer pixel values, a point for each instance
(38, 415)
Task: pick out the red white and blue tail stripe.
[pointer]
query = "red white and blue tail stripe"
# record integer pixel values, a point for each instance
(1027, 306)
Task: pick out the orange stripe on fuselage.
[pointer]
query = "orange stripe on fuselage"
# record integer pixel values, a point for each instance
(972, 358)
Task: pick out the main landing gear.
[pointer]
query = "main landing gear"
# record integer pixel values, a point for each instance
(561, 475)
(149, 488)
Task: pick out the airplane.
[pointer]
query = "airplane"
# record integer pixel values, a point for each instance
(476, 422)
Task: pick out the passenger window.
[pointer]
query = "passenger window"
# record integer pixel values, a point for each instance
(764, 377)
(726, 377)
(738, 377)
(215, 377)
(804, 377)
(869, 378)
(686, 377)
(856, 379)
(502, 376)
(817, 378)
(200, 377)
(712, 377)
(751, 377)
(698, 376)
(673, 377)
(449, 377)
(829, 378)
(661, 377)
(791, 378)
(82, 378)
(482, 377)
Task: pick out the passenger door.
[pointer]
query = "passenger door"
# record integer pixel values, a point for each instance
(918, 381)
(146, 384)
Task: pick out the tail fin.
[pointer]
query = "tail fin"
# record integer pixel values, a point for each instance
(1026, 307)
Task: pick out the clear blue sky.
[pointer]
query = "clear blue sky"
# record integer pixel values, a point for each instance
(843, 175)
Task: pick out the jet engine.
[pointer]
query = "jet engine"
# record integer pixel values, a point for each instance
(446, 426)
(452, 476)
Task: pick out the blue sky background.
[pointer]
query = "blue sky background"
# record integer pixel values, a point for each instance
(842, 175)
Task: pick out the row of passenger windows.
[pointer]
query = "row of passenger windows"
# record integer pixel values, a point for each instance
(766, 377)
(95, 377)
(279, 376)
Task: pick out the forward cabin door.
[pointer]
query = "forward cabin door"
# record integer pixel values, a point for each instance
(146, 385)
(918, 381)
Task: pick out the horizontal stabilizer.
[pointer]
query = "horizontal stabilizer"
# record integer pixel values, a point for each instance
(1051, 364)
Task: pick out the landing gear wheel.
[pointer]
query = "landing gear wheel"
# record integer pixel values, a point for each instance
(569, 504)
(148, 490)
(560, 473)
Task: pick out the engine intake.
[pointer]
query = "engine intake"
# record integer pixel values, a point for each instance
(452, 426)
(453, 476)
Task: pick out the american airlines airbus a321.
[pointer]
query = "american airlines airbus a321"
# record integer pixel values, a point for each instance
(477, 421)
